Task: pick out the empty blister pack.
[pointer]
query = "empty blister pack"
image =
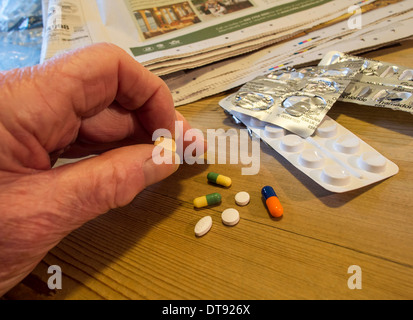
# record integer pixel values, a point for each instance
(372, 70)
(333, 157)
(379, 95)
(378, 84)
(296, 100)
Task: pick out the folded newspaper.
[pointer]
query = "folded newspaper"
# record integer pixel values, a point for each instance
(161, 30)
(233, 38)
(381, 26)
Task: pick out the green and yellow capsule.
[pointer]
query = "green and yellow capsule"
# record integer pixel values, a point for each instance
(208, 200)
(219, 179)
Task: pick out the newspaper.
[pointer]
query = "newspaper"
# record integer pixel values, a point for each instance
(201, 49)
(183, 33)
(382, 26)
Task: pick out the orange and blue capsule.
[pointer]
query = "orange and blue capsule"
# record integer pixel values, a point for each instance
(272, 202)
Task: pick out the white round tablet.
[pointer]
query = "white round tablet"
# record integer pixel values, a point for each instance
(347, 144)
(335, 175)
(311, 159)
(274, 132)
(242, 198)
(203, 226)
(254, 122)
(327, 128)
(230, 216)
(372, 162)
(292, 143)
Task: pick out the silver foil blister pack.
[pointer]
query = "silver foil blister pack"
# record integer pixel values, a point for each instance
(332, 156)
(296, 100)
(378, 84)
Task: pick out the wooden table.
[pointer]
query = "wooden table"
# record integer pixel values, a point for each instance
(148, 250)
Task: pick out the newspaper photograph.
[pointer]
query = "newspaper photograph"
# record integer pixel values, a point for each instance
(162, 30)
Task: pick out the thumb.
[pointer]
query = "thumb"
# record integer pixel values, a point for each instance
(95, 185)
(40, 209)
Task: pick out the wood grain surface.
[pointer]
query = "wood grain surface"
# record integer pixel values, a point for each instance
(148, 249)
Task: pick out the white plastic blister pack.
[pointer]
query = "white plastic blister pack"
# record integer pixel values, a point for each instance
(378, 84)
(332, 156)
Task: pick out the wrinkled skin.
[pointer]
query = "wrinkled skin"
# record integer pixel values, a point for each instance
(94, 100)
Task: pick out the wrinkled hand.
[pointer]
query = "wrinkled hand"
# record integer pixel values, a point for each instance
(97, 98)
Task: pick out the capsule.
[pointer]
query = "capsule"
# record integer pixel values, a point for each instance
(219, 179)
(271, 200)
(208, 200)
(166, 143)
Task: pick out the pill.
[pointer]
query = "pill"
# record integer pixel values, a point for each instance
(348, 144)
(242, 198)
(327, 128)
(272, 202)
(208, 200)
(335, 175)
(203, 226)
(275, 132)
(372, 162)
(166, 143)
(292, 143)
(219, 179)
(230, 217)
(311, 159)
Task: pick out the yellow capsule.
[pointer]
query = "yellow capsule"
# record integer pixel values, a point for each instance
(208, 200)
(219, 179)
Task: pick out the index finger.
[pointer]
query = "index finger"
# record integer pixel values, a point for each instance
(88, 80)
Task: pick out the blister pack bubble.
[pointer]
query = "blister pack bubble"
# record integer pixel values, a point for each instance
(296, 100)
(332, 156)
(378, 84)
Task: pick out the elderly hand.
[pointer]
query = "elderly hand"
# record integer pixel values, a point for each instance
(94, 99)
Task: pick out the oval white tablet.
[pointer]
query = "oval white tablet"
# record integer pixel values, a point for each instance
(230, 217)
(203, 226)
(242, 198)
